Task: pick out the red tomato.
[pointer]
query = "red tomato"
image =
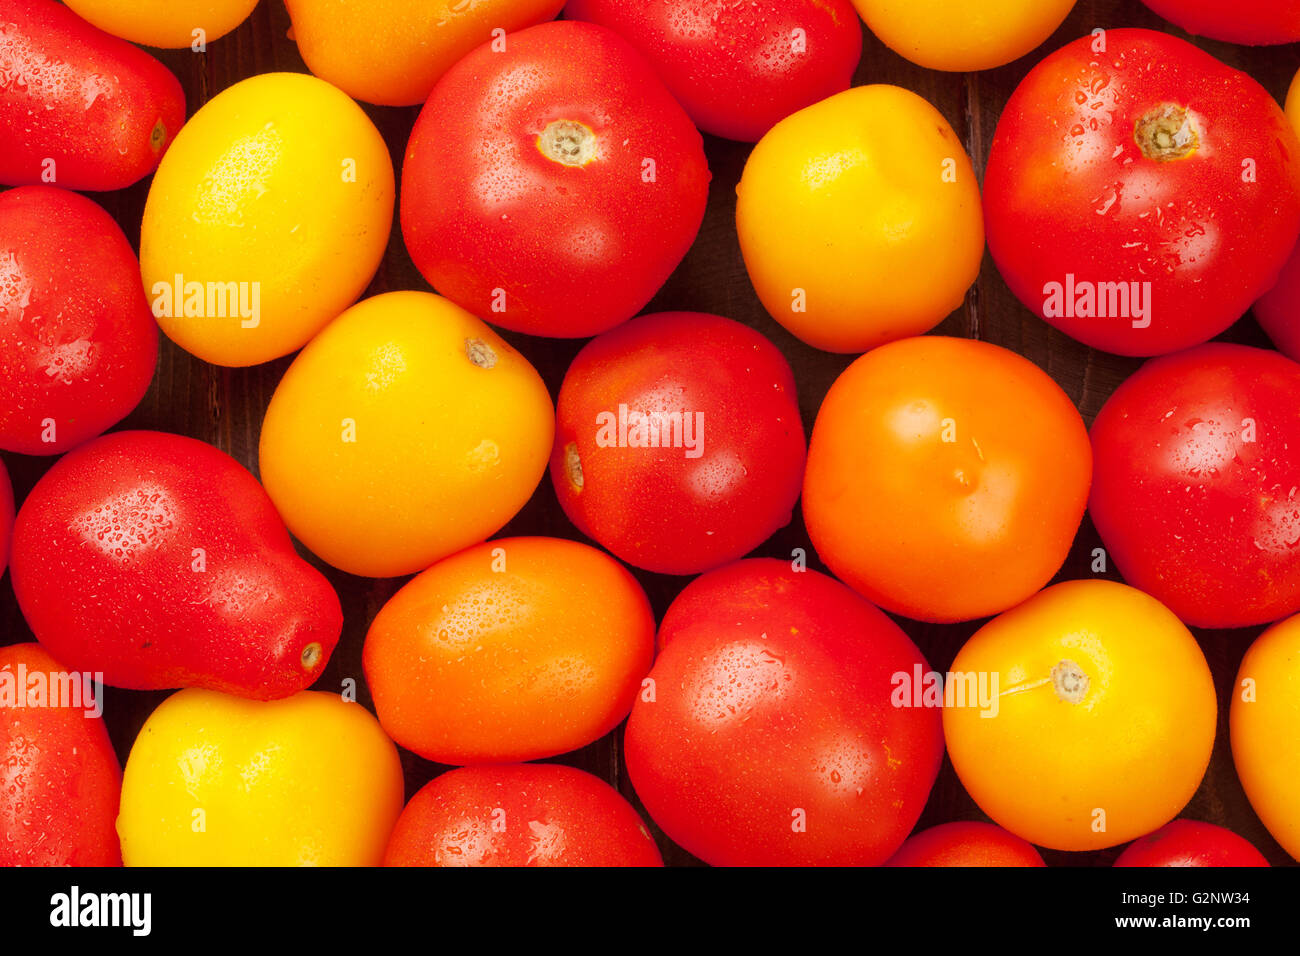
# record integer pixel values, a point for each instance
(59, 779)
(1196, 484)
(6, 516)
(551, 188)
(78, 107)
(1191, 843)
(160, 562)
(768, 734)
(678, 442)
(78, 343)
(1142, 198)
(739, 69)
(528, 814)
(1278, 309)
(966, 844)
(1259, 22)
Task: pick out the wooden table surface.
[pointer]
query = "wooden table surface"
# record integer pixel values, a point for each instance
(225, 406)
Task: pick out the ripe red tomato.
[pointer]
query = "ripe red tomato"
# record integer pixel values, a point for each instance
(528, 814)
(1278, 309)
(1259, 22)
(767, 734)
(1141, 198)
(1191, 843)
(1196, 483)
(552, 187)
(739, 69)
(160, 562)
(966, 844)
(678, 441)
(78, 344)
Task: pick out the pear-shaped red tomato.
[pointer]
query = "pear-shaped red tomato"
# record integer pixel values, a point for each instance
(160, 562)
(1191, 843)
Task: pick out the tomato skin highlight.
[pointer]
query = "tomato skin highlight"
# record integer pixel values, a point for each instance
(160, 562)
(111, 142)
(558, 213)
(520, 815)
(719, 485)
(772, 739)
(966, 843)
(1191, 843)
(1081, 215)
(739, 69)
(1258, 23)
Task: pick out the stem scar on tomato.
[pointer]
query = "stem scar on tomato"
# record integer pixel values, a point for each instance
(1069, 681)
(1166, 133)
(573, 465)
(568, 142)
(311, 655)
(480, 353)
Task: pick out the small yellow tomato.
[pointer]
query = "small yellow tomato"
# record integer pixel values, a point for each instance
(267, 218)
(216, 780)
(860, 219)
(405, 431)
(171, 24)
(963, 35)
(1264, 720)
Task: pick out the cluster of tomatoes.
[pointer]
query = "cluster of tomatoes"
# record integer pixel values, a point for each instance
(1139, 195)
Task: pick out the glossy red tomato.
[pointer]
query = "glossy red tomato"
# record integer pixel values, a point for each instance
(1258, 22)
(966, 843)
(739, 68)
(78, 343)
(551, 187)
(768, 734)
(527, 814)
(1141, 198)
(1196, 483)
(1278, 309)
(1191, 843)
(678, 442)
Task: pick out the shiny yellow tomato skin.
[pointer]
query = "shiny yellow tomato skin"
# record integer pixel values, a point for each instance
(216, 780)
(405, 431)
(170, 24)
(860, 220)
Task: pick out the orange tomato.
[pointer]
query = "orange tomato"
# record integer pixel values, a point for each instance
(1104, 716)
(1264, 722)
(511, 650)
(946, 478)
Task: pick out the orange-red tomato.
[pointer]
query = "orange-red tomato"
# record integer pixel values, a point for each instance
(967, 843)
(1191, 843)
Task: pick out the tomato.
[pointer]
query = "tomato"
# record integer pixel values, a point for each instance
(963, 35)
(767, 733)
(520, 815)
(78, 345)
(966, 844)
(1191, 843)
(6, 516)
(59, 778)
(1195, 494)
(160, 562)
(739, 68)
(404, 432)
(78, 107)
(392, 52)
(1140, 198)
(946, 478)
(678, 443)
(1265, 725)
(905, 257)
(1278, 310)
(553, 187)
(165, 23)
(1104, 716)
(1259, 23)
(515, 649)
(213, 780)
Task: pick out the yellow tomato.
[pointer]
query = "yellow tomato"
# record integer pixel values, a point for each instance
(963, 35)
(1265, 725)
(169, 24)
(392, 52)
(267, 218)
(216, 780)
(860, 219)
(406, 431)
(1104, 718)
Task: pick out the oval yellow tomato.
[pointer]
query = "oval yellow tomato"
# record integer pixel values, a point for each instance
(860, 219)
(267, 218)
(963, 35)
(405, 431)
(170, 24)
(216, 780)
(1102, 717)
(1264, 720)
